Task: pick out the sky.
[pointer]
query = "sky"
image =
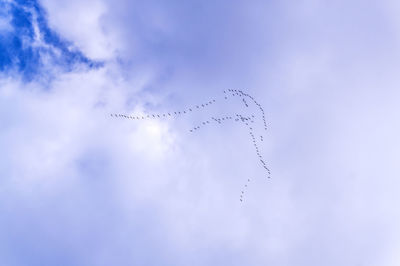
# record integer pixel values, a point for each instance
(81, 187)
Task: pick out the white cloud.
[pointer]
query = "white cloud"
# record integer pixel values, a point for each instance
(136, 190)
(83, 23)
(5, 25)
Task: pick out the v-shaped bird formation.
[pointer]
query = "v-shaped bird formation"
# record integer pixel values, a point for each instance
(248, 121)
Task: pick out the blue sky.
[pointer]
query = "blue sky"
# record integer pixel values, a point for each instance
(27, 40)
(78, 187)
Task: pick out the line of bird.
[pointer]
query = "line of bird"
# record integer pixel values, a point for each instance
(213, 120)
(244, 190)
(219, 120)
(164, 115)
(258, 153)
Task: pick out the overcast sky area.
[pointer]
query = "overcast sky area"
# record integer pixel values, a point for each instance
(80, 187)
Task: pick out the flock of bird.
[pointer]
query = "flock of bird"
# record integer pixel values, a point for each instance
(248, 121)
